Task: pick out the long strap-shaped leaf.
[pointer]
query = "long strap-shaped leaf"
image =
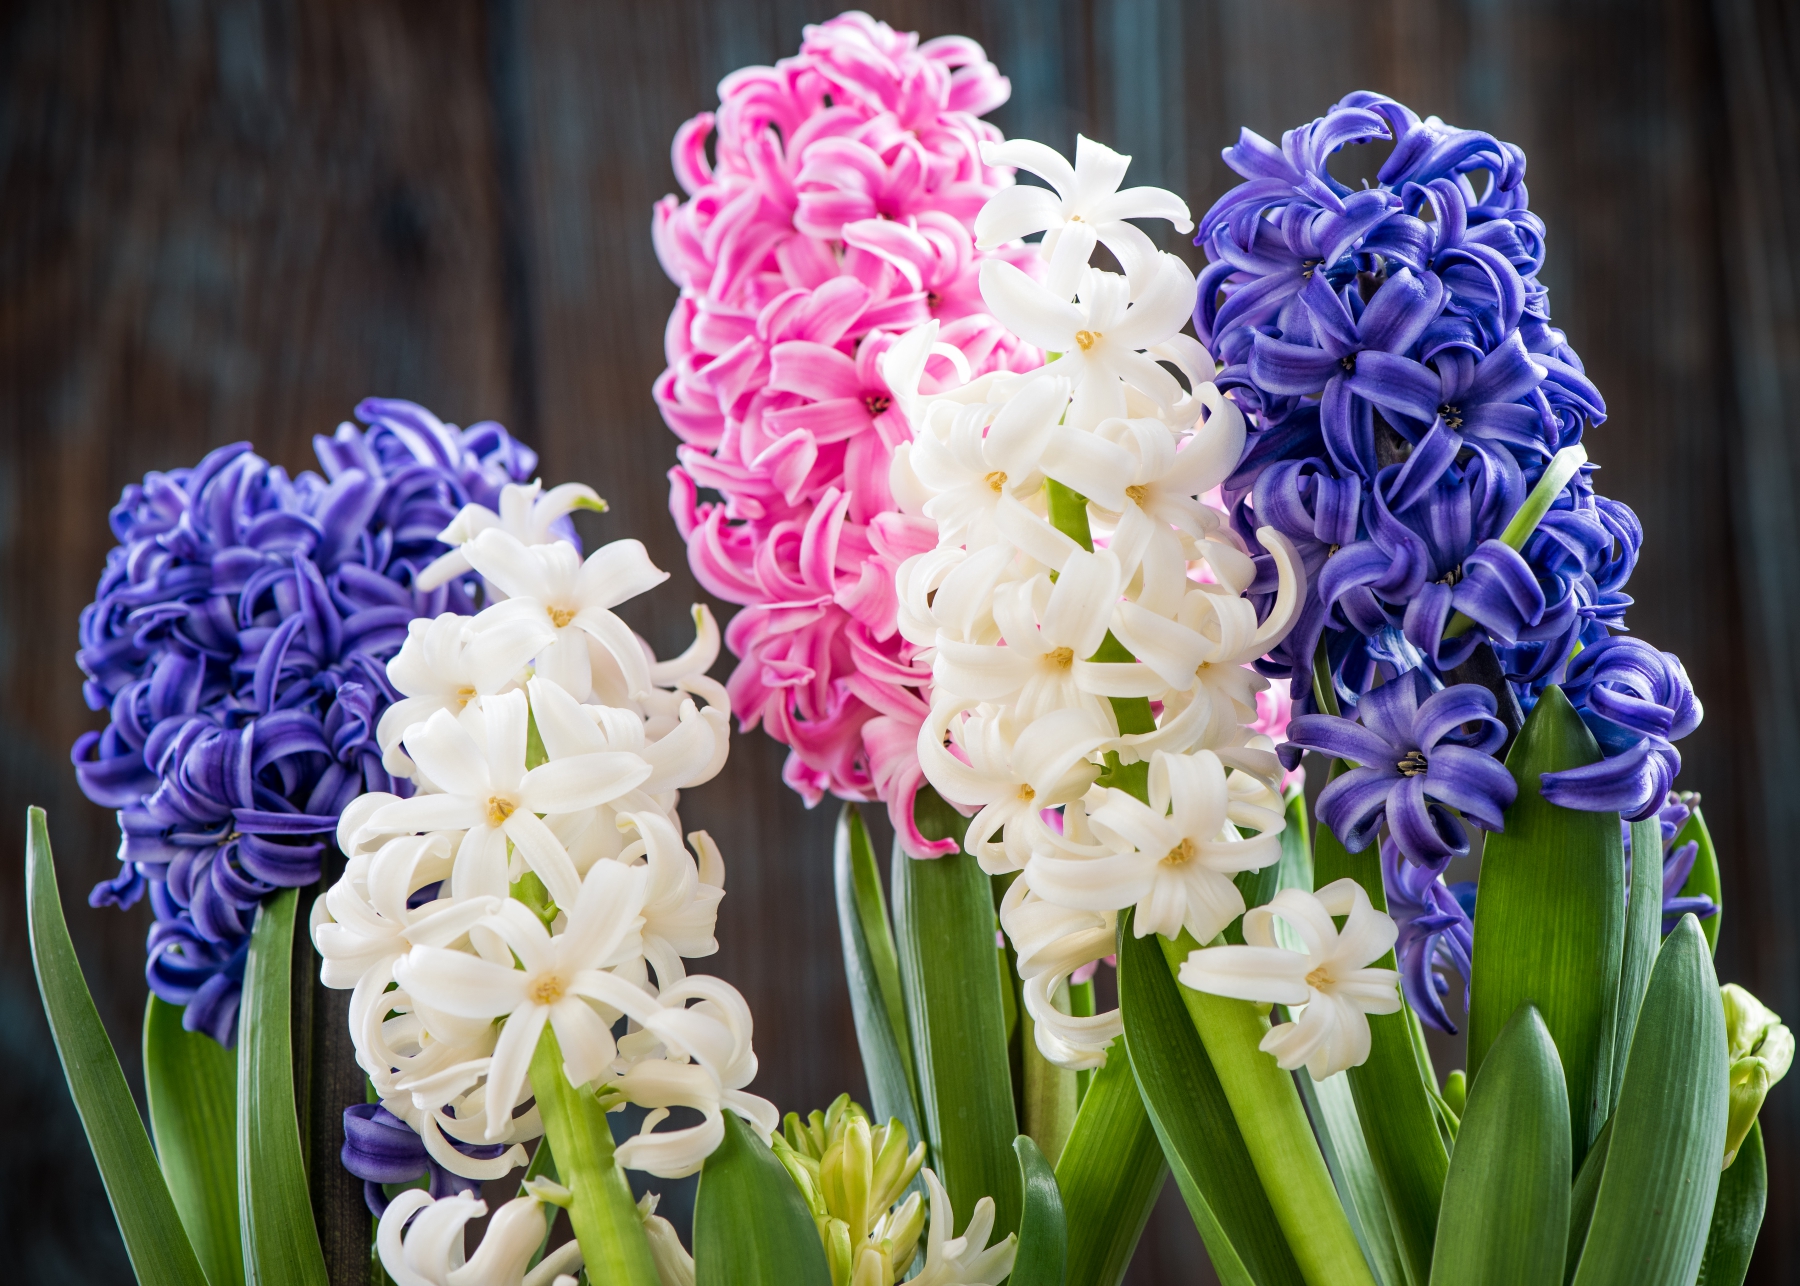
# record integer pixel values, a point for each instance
(1043, 1228)
(190, 1081)
(944, 921)
(872, 967)
(1332, 1106)
(1643, 935)
(1110, 1173)
(1505, 1215)
(603, 1215)
(1668, 1138)
(1737, 1215)
(1550, 918)
(1392, 1103)
(1194, 1124)
(751, 1225)
(275, 1219)
(159, 1249)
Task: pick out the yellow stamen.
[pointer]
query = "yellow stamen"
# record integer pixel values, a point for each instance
(499, 810)
(1319, 978)
(995, 480)
(1085, 339)
(1062, 657)
(1138, 494)
(1026, 793)
(1181, 854)
(546, 989)
(465, 694)
(560, 616)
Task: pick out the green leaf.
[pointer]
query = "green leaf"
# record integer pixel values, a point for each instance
(1393, 1103)
(1643, 934)
(1505, 1214)
(1550, 918)
(873, 969)
(1296, 867)
(190, 1081)
(1194, 1124)
(1581, 1198)
(1662, 1170)
(603, 1214)
(944, 917)
(1704, 878)
(275, 1219)
(1110, 1174)
(1051, 1094)
(158, 1248)
(1043, 1232)
(543, 1166)
(1737, 1215)
(751, 1225)
(1332, 1106)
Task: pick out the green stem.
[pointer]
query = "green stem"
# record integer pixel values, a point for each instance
(1051, 1098)
(604, 1216)
(1273, 1121)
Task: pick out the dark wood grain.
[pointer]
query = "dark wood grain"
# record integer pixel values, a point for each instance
(225, 219)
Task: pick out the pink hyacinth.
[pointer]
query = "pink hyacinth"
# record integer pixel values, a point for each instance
(836, 216)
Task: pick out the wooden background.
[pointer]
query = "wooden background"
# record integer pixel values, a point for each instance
(225, 220)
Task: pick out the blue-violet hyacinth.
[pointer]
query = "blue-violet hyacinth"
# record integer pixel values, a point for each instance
(238, 641)
(1677, 860)
(1421, 754)
(1436, 934)
(1636, 700)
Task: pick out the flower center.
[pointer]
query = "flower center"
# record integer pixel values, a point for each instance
(1086, 339)
(933, 299)
(560, 616)
(877, 403)
(1452, 577)
(995, 480)
(465, 694)
(1062, 657)
(1452, 415)
(1319, 978)
(1348, 362)
(1307, 266)
(1026, 793)
(545, 989)
(499, 809)
(1413, 764)
(1180, 855)
(1138, 493)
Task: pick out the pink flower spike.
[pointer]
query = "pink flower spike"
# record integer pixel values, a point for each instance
(835, 215)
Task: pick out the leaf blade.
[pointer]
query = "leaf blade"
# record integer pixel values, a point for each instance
(1643, 934)
(1110, 1173)
(1704, 878)
(1737, 1215)
(1550, 918)
(751, 1225)
(1043, 1228)
(944, 922)
(275, 1218)
(1193, 1121)
(872, 969)
(160, 1252)
(1654, 1206)
(190, 1081)
(1504, 1220)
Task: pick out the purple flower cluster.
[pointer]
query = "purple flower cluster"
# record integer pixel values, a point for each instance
(1392, 349)
(238, 640)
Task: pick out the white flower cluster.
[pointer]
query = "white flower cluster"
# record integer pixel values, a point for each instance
(537, 874)
(1040, 642)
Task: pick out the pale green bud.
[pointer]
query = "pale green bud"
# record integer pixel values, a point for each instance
(805, 1173)
(894, 1165)
(873, 1269)
(838, 1251)
(1761, 1050)
(898, 1233)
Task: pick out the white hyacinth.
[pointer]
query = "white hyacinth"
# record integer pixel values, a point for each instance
(1037, 639)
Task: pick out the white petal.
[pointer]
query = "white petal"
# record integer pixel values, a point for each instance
(616, 572)
(461, 984)
(1027, 309)
(1263, 974)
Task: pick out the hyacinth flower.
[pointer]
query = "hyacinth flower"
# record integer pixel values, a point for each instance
(838, 211)
(1636, 700)
(238, 640)
(1677, 860)
(1436, 935)
(1424, 766)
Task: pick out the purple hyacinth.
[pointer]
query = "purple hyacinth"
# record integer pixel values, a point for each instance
(380, 1148)
(1436, 934)
(1422, 754)
(1677, 860)
(238, 640)
(1636, 700)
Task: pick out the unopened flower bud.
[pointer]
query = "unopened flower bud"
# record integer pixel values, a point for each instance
(1761, 1050)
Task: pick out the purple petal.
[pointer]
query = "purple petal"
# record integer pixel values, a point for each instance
(1353, 803)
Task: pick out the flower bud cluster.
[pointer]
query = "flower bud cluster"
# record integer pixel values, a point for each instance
(834, 213)
(536, 875)
(1084, 612)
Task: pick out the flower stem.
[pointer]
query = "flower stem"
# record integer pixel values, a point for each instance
(604, 1216)
(1273, 1121)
